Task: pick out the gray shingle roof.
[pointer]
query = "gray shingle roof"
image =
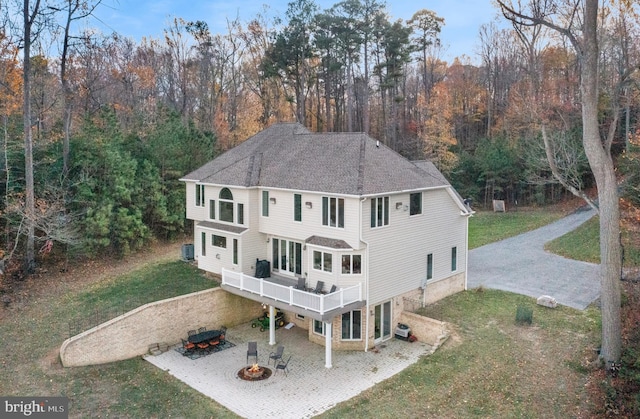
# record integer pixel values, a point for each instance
(222, 227)
(328, 242)
(288, 156)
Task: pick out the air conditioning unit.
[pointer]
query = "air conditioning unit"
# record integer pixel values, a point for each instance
(187, 252)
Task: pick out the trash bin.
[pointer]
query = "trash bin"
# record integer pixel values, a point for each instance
(263, 268)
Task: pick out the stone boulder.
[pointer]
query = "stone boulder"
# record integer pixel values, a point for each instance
(547, 301)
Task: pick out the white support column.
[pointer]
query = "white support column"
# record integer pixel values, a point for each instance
(272, 325)
(327, 344)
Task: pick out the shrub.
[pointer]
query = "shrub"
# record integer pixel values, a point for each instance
(524, 315)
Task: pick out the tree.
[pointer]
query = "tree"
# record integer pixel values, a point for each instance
(10, 92)
(567, 19)
(29, 16)
(426, 25)
(288, 55)
(75, 10)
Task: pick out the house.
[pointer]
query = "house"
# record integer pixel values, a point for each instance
(341, 210)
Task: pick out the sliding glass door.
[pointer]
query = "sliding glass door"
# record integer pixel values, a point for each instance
(382, 322)
(287, 256)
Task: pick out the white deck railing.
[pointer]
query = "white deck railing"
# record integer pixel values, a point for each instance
(320, 303)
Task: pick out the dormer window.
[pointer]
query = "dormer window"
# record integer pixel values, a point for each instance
(225, 205)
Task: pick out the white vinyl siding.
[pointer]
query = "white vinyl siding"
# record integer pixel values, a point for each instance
(280, 222)
(396, 258)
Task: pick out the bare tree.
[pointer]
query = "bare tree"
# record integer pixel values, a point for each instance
(29, 16)
(577, 20)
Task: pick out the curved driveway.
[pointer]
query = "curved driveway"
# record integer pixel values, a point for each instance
(521, 265)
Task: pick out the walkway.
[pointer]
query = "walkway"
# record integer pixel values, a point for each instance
(521, 265)
(308, 390)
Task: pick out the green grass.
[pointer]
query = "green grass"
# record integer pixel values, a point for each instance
(580, 244)
(584, 244)
(492, 367)
(488, 227)
(148, 284)
(103, 301)
(32, 333)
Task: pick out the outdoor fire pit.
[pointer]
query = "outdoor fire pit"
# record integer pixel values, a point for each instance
(254, 373)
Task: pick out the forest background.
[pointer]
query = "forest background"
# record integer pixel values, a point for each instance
(116, 122)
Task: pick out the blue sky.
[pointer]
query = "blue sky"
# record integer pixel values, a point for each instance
(138, 18)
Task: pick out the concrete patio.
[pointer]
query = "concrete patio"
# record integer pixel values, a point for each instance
(308, 390)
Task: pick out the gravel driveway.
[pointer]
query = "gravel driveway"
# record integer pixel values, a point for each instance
(521, 265)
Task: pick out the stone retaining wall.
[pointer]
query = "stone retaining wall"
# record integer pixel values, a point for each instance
(426, 329)
(164, 322)
(437, 290)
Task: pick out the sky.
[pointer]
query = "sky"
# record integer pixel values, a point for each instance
(148, 18)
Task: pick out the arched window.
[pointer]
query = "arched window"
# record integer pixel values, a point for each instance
(226, 205)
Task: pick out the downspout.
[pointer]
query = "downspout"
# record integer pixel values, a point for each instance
(469, 213)
(466, 250)
(367, 316)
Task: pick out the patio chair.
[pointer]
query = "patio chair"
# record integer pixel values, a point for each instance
(223, 333)
(333, 289)
(203, 346)
(302, 284)
(202, 329)
(252, 350)
(319, 287)
(284, 366)
(188, 346)
(213, 344)
(191, 332)
(276, 356)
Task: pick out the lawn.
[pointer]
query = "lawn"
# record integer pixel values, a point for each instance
(489, 367)
(33, 332)
(583, 244)
(487, 227)
(492, 367)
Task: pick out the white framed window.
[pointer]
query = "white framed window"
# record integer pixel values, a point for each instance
(235, 251)
(199, 195)
(319, 328)
(297, 207)
(352, 325)
(265, 203)
(212, 209)
(219, 241)
(415, 203)
(333, 212)
(322, 261)
(203, 243)
(241, 214)
(454, 259)
(351, 264)
(225, 210)
(379, 211)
